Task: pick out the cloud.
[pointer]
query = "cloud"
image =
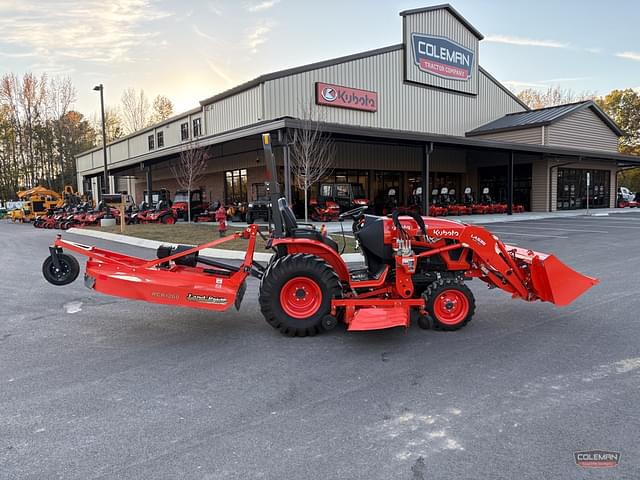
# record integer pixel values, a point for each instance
(520, 84)
(202, 34)
(264, 5)
(258, 36)
(593, 50)
(565, 79)
(629, 55)
(220, 73)
(90, 31)
(17, 54)
(529, 42)
(214, 8)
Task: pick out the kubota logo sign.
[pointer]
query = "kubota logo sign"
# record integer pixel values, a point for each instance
(442, 57)
(346, 97)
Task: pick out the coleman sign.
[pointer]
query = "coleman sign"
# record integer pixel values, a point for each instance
(442, 57)
(346, 97)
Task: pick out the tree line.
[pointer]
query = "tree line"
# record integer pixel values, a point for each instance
(41, 132)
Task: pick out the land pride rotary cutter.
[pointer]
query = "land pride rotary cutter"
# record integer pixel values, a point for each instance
(415, 267)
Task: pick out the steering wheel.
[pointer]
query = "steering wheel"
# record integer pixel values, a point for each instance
(353, 213)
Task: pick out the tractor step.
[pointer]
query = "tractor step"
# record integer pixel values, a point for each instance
(379, 318)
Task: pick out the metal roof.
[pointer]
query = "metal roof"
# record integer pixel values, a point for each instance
(451, 10)
(542, 116)
(304, 68)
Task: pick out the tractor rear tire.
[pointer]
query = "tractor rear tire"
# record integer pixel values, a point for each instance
(450, 304)
(66, 274)
(296, 293)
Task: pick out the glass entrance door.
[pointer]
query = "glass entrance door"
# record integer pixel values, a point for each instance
(572, 188)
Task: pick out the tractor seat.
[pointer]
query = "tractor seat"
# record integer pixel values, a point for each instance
(294, 231)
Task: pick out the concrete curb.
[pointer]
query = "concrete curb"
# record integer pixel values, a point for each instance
(207, 252)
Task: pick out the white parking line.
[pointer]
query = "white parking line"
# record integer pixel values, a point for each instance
(552, 228)
(527, 234)
(600, 223)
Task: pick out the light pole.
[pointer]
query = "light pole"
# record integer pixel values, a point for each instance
(105, 187)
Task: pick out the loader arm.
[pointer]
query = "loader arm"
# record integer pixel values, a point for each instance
(524, 273)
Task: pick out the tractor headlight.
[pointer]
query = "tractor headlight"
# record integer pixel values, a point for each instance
(250, 205)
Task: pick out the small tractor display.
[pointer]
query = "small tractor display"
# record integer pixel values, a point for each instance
(415, 267)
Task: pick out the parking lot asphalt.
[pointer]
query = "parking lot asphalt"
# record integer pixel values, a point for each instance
(99, 387)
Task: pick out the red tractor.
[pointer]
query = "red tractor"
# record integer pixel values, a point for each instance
(414, 267)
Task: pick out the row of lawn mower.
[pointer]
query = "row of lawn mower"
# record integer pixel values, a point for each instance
(84, 215)
(445, 202)
(80, 216)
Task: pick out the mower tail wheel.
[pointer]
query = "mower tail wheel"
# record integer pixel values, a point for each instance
(65, 274)
(450, 304)
(296, 293)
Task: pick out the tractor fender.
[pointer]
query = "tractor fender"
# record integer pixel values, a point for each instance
(316, 248)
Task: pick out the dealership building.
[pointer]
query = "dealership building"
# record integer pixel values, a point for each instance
(400, 115)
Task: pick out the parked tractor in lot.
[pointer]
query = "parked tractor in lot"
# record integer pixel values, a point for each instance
(414, 267)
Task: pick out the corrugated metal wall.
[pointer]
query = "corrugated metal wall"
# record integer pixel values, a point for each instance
(540, 185)
(527, 135)
(408, 158)
(402, 106)
(583, 129)
(233, 112)
(440, 23)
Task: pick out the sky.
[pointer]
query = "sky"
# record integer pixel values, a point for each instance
(189, 50)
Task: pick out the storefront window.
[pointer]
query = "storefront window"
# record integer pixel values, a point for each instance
(572, 188)
(495, 179)
(235, 186)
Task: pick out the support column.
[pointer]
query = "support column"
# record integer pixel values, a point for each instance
(287, 169)
(149, 185)
(426, 166)
(510, 184)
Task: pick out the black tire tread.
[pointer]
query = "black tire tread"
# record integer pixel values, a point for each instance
(277, 273)
(74, 269)
(445, 284)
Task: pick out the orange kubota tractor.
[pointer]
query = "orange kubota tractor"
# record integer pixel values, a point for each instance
(413, 265)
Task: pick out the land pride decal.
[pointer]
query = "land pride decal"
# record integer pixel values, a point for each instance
(442, 57)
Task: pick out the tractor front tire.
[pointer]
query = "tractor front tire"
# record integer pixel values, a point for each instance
(67, 273)
(296, 293)
(450, 304)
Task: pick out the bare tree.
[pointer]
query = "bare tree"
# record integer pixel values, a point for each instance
(162, 109)
(136, 112)
(190, 170)
(112, 122)
(552, 96)
(312, 152)
(62, 95)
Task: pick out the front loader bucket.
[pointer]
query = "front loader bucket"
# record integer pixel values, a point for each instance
(551, 280)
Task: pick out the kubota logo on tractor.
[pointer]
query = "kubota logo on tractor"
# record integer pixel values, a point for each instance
(439, 232)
